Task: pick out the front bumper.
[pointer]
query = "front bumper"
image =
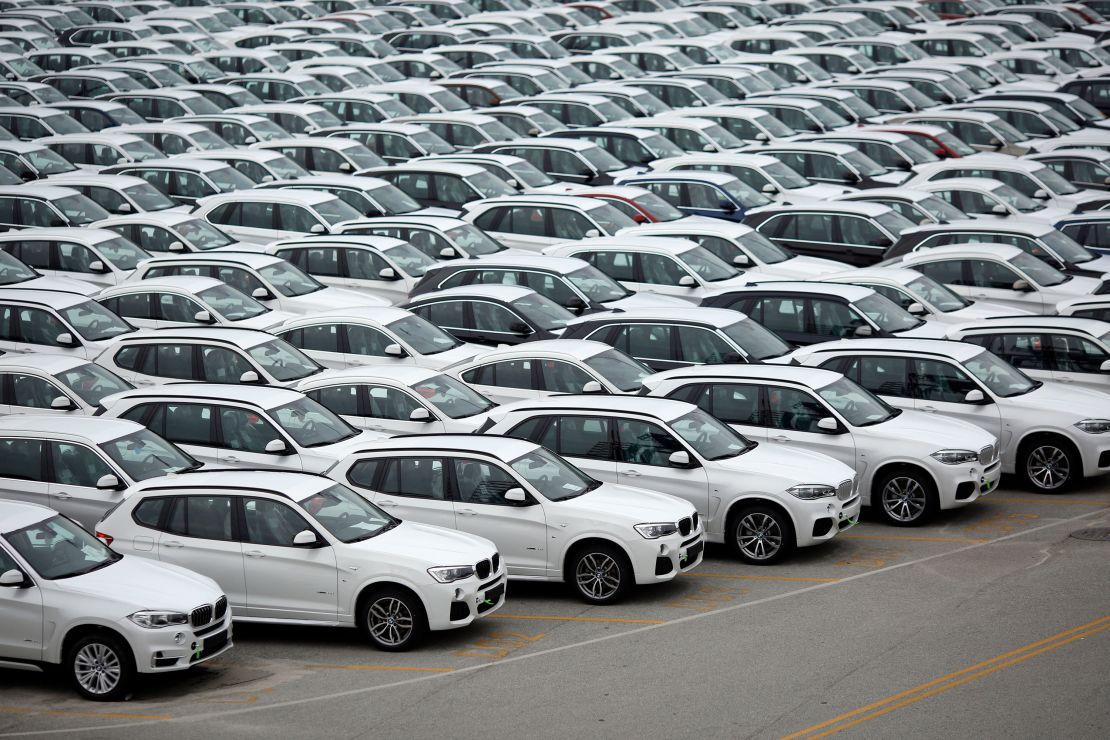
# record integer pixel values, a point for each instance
(660, 560)
(1095, 451)
(174, 649)
(961, 485)
(453, 605)
(820, 520)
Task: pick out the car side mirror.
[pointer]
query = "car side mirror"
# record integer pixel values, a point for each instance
(709, 148)
(519, 327)
(687, 281)
(317, 229)
(203, 317)
(448, 253)
(592, 234)
(1022, 286)
(250, 376)
(1104, 367)
(61, 403)
(345, 167)
(98, 266)
(639, 218)
(516, 495)
(1040, 194)
(277, 447)
(262, 294)
(57, 223)
(974, 396)
(726, 205)
(394, 350)
(829, 425)
(250, 140)
(592, 386)
(534, 132)
(733, 358)
(999, 210)
(863, 330)
(995, 142)
(123, 208)
(769, 189)
(266, 178)
(741, 259)
(65, 339)
(387, 273)
(304, 538)
(512, 183)
(13, 578)
(176, 247)
(916, 309)
(420, 414)
(679, 459)
(760, 136)
(108, 483)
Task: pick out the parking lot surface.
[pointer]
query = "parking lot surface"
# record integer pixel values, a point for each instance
(993, 621)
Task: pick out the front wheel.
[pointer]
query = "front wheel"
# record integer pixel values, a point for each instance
(393, 620)
(1049, 465)
(761, 535)
(601, 574)
(101, 667)
(905, 498)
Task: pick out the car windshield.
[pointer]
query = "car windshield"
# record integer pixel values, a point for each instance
(659, 209)
(827, 118)
(597, 286)
(489, 186)
(335, 210)
(863, 163)
(1006, 132)
(140, 151)
(283, 168)
(92, 382)
(431, 143)
(610, 219)
(527, 174)
(935, 294)
(1066, 247)
(602, 160)
(310, 424)
(543, 312)
(452, 397)
(58, 548)
(60, 124)
(422, 336)
(143, 454)
(48, 162)
(857, 405)
(775, 128)
(148, 197)
(410, 259)
(386, 73)
(711, 439)
(449, 101)
(227, 179)
(1054, 182)
(744, 194)
(94, 322)
(1039, 272)
(202, 234)
(13, 271)
(393, 201)
(553, 477)
(707, 266)
(623, 371)
(1001, 377)
(362, 157)
(755, 341)
(289, 280)
(894, 222)
(122, 253)
(915, 152)
(1018, 201)
(79, 210)
(954, 143)
(473, 240)
(345, 515)
(283, 361)
(230, 303)
(940, 209)
(886, 314)
(721, 137)
(786, 177)
(266, 130)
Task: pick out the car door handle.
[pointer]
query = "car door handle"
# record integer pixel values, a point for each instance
(386, 504)
(63, 496)
(231, 459)
(172, 543)
(467, 512)
(255, 554)
(1064, 380)
(780, 438)
(631, 473)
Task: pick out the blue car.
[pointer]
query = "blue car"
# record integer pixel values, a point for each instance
(1091, 229)
(700, 193)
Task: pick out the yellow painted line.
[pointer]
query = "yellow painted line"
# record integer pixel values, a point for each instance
(66, 713)
(1052, 501)
(610, 620)
(414, 669)
(949, 681)
(760, 578)
(907, 538)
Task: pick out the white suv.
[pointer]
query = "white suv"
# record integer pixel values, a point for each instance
(69, 601)
(275, 540)
(551, 521)
(763, 502)
(55, 385)
(242, 426)
(1051, 435)
(910, 465)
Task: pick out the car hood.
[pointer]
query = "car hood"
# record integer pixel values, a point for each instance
(558, 187)
(644, 299)
(332, 298)
(928, 330)
(462, 353)
(813, 193)
(790, 464)
(1101, 263)
(137, 583)
(66, 285)
(982, 310)
(449, 213)
(340, 450)
(931, 431)
(1082, 197)
(803, 268)
(433, 545)
(264, 321)
(896, 177)
(1074, 288)
(1069, 404)
(611, 503)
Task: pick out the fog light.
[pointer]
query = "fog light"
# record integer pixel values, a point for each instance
(458, 594)
(179, 638)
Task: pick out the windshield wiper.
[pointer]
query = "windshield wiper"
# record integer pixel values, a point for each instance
(98, 566)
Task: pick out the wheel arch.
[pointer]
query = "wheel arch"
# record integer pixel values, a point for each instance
(574, 547)
(77, 632)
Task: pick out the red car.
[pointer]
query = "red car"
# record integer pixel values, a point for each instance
(939, 141)
(640, 205)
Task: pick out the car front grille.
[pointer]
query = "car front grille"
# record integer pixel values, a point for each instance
(694, 520)
(844, 490)
(201, 616)
(684, 526)
(496, 561)
(987, 455)
(482, 568)
(221, 607)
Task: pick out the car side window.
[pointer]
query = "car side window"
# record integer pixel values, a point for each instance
(245, 430)
(480, 482)
(793, 409)
(563, 377)
(320, 338)
(990, 274)
(732, 403)
(934, 380)
(202, 517)
(444, 314)
(390, 403)
(569, 224)
(29, 391)
(580, 436)
(222, 365)
(77, 465)
(779, 314)
(617, 265)
(661, 269)
(185, 423)
(702, 346)
(950, 272)
(885, 376)
(834, 319)
(149, 511)
(272, 523)
(363, 340)
(1023, 351)
(509, 374)
(22, 459)
(648, 341)
(645, 443)
(340, 399)
(40, 327)
(417, 477)
(493, 317)
(170, 361)
(1076, 355)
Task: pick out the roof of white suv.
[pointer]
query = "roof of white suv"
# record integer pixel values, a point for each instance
(662, 408)
(811, 376)
(293, 485)
(262, 396)
(847, 292)
(95, 429)
(244, 338)
(16, 515)
(959, 351)
(717, 317)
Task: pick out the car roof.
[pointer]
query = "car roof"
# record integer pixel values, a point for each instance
(460, 169)
(717, 178)
(47, 363)
(51, 298)
(244, 338)
(901, 275)
(296, 197)
(635, 242)
(661, 408)
(256, 395)
(504, 448)
(911, 194)
(15, 515)
(375, 315)
(848, 292)
(291, 484)
(718, 317)
(48, 192)
(406, 375)
(1022, 226)
(96, 429)
(186, 283)
(718, 226)
(498, 291)
(856, 208)
(1001, 251)
(536, 261)
(960, 351)
(1092, 327)
(85, 234)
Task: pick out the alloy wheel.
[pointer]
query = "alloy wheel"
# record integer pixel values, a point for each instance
(759, 536)
(1048, 467)
(598, 575)
(390, 621)
(97, 668)
(904, 499)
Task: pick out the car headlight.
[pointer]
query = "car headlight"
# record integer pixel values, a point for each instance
(955, 457)
(153, 620)
(656, 530)
(1094, 426)
(451, 573)
(810, 491)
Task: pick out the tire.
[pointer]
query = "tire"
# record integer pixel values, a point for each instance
(600, 573)
(101, 667)
(761, 535)
(392, 619)
(1048, 464)
(905, 498)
